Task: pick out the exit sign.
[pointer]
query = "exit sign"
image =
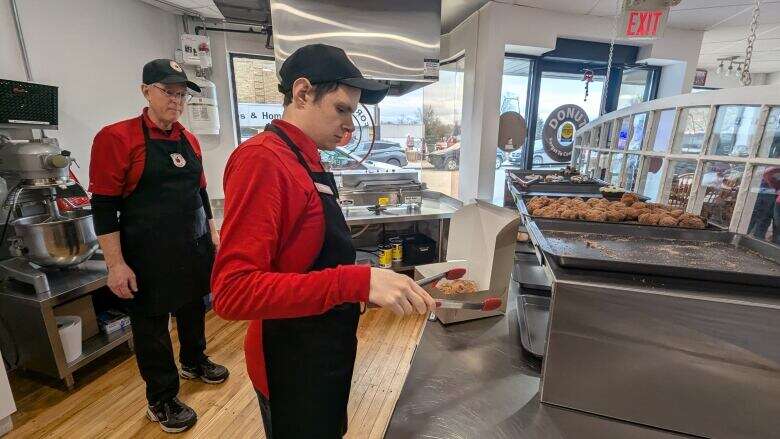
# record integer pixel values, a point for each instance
(644, 19)
(643, 24)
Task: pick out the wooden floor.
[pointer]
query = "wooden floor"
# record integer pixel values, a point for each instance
(109, 401)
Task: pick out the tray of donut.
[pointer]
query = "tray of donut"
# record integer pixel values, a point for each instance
(629, 209)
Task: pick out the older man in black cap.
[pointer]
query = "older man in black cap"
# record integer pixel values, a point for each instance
(154, 223)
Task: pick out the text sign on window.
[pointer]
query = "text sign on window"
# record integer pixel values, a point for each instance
(644, 19)
(258, 115)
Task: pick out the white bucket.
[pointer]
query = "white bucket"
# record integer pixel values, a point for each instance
(70, 334)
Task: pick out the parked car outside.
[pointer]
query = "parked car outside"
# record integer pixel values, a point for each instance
(340, 159)
(449, 158)
(541, 158)
(383, 151)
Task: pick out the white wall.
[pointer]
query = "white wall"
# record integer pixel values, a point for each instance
(217, 149)
(773, 78)
(498, 27)
(93, 50)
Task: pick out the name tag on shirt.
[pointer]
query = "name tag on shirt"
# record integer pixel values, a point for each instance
(323, 188)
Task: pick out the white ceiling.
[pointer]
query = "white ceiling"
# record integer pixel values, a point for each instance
(690, 14)
(725, 24)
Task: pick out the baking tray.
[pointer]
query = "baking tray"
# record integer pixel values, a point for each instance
(710, 255)
(533, 315)
(523, 209)
(528, 273)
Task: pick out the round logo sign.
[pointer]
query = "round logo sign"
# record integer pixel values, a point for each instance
(511, 131)
(178, 160)
(559, 130)
(175, 66)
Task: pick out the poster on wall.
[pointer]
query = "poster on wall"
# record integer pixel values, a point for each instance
(559, 130)
(700, 80)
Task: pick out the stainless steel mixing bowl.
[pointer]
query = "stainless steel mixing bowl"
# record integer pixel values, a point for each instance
(56, 243)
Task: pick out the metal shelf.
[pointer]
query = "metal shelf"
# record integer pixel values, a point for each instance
(94, 347)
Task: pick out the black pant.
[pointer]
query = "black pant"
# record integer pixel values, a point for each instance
(154, 352)
(265, 413)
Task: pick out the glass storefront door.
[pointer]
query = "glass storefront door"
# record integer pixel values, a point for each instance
(562, 109)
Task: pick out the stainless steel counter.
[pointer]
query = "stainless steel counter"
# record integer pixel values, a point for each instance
(684, 355)
(430, 210)
(471, 380)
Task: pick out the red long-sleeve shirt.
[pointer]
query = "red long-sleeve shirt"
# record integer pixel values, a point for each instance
(271, 234)
(119, 154)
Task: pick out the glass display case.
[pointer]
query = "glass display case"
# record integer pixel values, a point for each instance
(716, 154)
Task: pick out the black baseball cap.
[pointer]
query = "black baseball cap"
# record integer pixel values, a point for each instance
(167, 71)
(322, 63)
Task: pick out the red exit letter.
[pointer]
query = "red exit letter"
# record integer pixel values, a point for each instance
(633, 22)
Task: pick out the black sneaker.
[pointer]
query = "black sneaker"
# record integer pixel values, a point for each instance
(207, 371)
(173, 415)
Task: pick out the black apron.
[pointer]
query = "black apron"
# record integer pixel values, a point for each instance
(309, 360)
(164, 231)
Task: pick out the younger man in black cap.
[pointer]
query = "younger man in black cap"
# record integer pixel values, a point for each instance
(154, 223)
(287, 260)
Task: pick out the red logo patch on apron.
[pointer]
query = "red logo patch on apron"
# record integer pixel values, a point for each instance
(178, 160)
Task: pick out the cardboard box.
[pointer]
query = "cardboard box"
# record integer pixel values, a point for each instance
(482, 240)
(83, 308)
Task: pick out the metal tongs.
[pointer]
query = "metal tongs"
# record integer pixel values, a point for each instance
(488, 304)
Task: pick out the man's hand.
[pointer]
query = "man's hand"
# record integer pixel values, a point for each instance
(215, 240)
(121, 281)
(398, 293)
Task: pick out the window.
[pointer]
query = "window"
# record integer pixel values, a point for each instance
(593, 164)
(431, 114)
(632, 170)
(764, 215)
(770, 143)
(719, 186)
(680, 182)
(634, 87)
(609, 138)
(615, 169)
(257, 97)
(733, 130)
(594, 141)
(558, 89)
(651, 175)
(625, 125)
(664, 130)
(690, 130)
(514, 95)
(638, 132)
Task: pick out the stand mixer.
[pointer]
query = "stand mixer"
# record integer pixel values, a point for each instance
(42, 239)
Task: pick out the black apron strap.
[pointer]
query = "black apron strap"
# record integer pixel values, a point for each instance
(309, 360)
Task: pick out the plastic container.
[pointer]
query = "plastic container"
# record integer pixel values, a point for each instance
(70, 334)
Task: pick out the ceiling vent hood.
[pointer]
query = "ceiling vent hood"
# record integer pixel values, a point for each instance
(395, 41)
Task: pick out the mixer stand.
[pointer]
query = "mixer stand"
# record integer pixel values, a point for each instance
(19, 269)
